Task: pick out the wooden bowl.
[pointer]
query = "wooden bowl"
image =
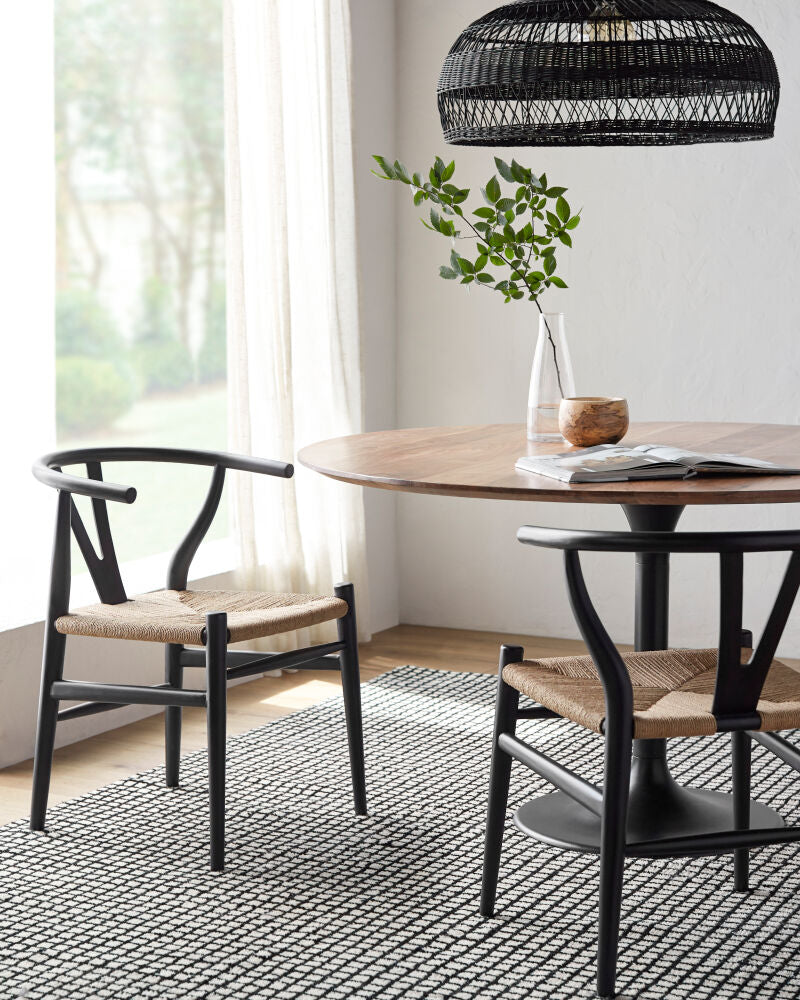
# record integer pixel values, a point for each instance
(589, 420)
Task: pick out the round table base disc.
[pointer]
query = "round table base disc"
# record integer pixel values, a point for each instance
(558, 820)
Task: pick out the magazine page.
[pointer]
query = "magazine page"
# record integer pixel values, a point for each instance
(710, 462)
(589, 464)
(668, 453)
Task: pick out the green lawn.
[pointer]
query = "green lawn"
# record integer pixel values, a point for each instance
(169, 496)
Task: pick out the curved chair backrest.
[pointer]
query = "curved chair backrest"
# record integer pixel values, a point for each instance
(738, 685)
(103, 566)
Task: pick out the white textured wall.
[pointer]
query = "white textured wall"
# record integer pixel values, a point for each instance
(684, 297)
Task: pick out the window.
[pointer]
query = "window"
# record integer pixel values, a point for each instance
(140, 340)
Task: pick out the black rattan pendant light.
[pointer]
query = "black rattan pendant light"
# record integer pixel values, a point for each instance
(608, 73)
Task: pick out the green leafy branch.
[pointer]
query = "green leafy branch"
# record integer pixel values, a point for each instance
(517, 230)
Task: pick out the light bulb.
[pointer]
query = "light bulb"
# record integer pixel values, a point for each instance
(606, 24)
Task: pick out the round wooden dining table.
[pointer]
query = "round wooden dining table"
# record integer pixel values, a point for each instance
(479, 462)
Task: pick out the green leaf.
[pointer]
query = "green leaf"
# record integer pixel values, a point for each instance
(417, 180)
(508, 253)
(555, 192)
(549, 265)
(504, 170)
(493, 190)
(485, 278)
(439, 167)
(517, 294)
(497, 261)
(484, 213)
(537, 275)
(462, 195)
(554, 220)
(436, 220)
(519, 173)
(573, 222)
(449, 170)
(563, 210)
(466, 266)
(521, 209)
(505, 204)
(508, 232)
(522, 193)
(385, 166)
(482, 248)
(447, 273)
(401, 172)
(419, 197)
(558, 282)
(543, 182)
(448, 228)
(566, 239)
(481, 262)
(434, 179)
(468, 280)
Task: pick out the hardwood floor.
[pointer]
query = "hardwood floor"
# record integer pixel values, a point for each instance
(82, 767)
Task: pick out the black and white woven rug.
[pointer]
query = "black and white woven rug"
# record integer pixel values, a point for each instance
(116, 902)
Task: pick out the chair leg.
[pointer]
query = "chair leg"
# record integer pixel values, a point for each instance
(173, 675)
(52, 670)
(351, 690)
(741, 746)
(505, 721)
(216, 693)
(612, 853)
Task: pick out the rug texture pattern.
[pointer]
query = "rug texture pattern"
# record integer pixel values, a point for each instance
(115, 902)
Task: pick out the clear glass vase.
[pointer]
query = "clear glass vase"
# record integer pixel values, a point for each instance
(551, 379)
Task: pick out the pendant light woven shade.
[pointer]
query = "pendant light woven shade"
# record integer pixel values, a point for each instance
(608, 73)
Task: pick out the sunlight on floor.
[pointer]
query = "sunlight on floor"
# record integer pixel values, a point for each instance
(306, 693)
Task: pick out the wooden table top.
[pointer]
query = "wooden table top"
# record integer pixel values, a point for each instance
(479, 462)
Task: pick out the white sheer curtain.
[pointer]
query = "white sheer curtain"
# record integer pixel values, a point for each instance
(294, 365)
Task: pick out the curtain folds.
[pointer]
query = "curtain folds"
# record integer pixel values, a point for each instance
(294, 363)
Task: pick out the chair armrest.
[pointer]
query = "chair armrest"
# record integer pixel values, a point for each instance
(660, 541)
(82, 485)
(48, 468)
(247, 463)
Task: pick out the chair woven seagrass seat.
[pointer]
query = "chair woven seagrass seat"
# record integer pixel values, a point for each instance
(180, 615)
(638, 701)
(673, 692)
(179, 619)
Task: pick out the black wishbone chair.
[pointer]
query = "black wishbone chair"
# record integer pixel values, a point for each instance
(176, 617)
(649, 695)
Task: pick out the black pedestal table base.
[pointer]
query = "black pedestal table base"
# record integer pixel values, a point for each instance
(659, 807)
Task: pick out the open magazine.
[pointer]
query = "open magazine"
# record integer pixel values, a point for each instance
(611, 463)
